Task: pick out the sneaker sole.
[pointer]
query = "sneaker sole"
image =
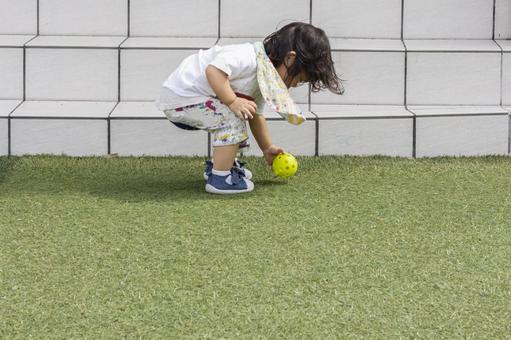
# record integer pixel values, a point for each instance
(211, 189)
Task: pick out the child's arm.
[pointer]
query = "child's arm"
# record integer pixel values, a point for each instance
(219, 82)
(259, 129)
(244, 109)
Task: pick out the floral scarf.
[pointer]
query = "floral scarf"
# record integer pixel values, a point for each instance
(274, 90)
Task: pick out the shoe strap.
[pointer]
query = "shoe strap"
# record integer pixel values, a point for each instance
(209, 168)
(237, 175)
(240, 164)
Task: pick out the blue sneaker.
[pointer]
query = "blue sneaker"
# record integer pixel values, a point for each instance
(233, 183)
(237, 164)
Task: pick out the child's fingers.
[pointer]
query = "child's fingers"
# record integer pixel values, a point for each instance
(248, 114)
(249, 107)
(245, 114)
(240, 115)
(252, 104)
(248, 110)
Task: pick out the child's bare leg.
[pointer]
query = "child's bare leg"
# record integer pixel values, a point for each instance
(223, 157)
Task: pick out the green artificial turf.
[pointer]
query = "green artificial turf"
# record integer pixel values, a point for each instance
(351, 247)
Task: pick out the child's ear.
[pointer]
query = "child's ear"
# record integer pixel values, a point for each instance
(290, 58)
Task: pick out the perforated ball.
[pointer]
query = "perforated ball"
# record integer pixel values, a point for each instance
(284, 165)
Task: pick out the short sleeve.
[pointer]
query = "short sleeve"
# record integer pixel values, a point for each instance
(259, 100)
(235, 60)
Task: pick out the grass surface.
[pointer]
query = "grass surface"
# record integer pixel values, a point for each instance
(352, 247)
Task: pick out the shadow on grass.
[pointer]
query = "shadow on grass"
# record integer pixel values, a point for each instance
(139, 179)
(176, 188)
(6, 166)
(138, 190)
(134, 180)
(162, 190)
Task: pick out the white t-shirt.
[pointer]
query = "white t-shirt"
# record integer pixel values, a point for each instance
(188, 84)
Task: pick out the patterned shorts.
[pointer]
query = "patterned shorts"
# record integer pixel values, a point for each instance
(215, 117)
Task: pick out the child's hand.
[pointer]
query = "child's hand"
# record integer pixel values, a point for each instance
(271, 152)
(243, 108)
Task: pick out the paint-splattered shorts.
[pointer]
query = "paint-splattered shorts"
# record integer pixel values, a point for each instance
(213, 116)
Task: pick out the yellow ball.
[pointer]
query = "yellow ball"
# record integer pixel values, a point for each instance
(284, 165)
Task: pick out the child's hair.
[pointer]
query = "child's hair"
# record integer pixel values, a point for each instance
(313, 54)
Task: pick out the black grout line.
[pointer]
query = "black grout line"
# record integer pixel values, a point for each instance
(204, 46)
(68, 35)
(414, 115)
(445, 51)
(316, 146)
(414, 121)
(81, 100)
(428, 39)
(406, 79)
(38, 14)
(366, 50)
(122, 42)
(109, 133)
(24, 96)
(170, 48)
(501, 72)
(309, 98)
(17, 106)
(8, 136)
(57, 118)
(24, 73)
(502, 86)
(129, 18)
(25, 65)
(217, 39)
(33, 38)
(108, 138)
(405, 85)
(10, 46)
(282, 120)
(414, 137)
(219, 20)
(9, 133)
(493, 26)
(310, 12)
(137, 118)
(119, 75)
(412, 51)
(112, 111)
(74, 47)
(441, 105)
(402, 19)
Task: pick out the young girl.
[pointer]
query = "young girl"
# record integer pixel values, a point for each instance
(219, 89)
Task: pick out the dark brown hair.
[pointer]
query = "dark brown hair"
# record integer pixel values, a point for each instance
(313, 55)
